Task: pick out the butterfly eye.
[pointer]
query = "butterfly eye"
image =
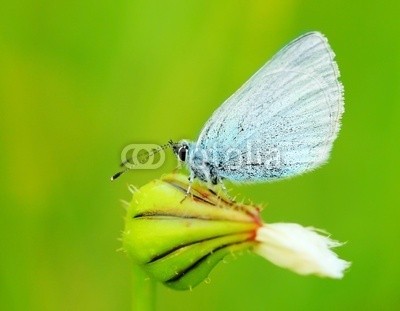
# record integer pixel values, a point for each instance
(182, 153)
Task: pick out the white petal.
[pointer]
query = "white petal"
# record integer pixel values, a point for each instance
(302, 250)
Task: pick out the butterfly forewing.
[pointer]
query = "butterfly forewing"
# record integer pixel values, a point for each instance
(283, 120)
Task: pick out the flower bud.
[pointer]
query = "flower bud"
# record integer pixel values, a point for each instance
(179, 242)
(178, 239)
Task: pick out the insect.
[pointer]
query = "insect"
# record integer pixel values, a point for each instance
(282, 122)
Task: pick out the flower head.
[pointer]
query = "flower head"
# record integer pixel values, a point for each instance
(179, 242)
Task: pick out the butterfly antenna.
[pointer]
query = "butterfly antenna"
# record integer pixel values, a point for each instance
(154, 151)
(116, 175)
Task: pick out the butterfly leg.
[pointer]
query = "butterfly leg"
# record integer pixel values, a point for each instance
(178, 167)
(191, 178)
(223, 188)
(217, 182)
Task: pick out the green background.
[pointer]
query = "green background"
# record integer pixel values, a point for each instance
(79, 80)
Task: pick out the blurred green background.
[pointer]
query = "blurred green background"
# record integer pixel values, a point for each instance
(79, 80)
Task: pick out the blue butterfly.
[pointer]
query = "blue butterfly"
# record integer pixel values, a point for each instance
(282, 122)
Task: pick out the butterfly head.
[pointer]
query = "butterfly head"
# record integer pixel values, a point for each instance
(181, 149)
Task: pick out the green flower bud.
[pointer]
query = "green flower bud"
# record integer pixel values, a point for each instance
(179, 242)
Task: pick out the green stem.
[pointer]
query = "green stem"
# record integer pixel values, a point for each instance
(144, 291)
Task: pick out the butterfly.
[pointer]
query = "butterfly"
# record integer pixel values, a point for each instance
(282, 122)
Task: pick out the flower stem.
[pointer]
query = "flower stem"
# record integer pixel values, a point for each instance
(143, 292)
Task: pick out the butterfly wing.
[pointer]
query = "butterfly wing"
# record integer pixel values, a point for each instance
(283, 120)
